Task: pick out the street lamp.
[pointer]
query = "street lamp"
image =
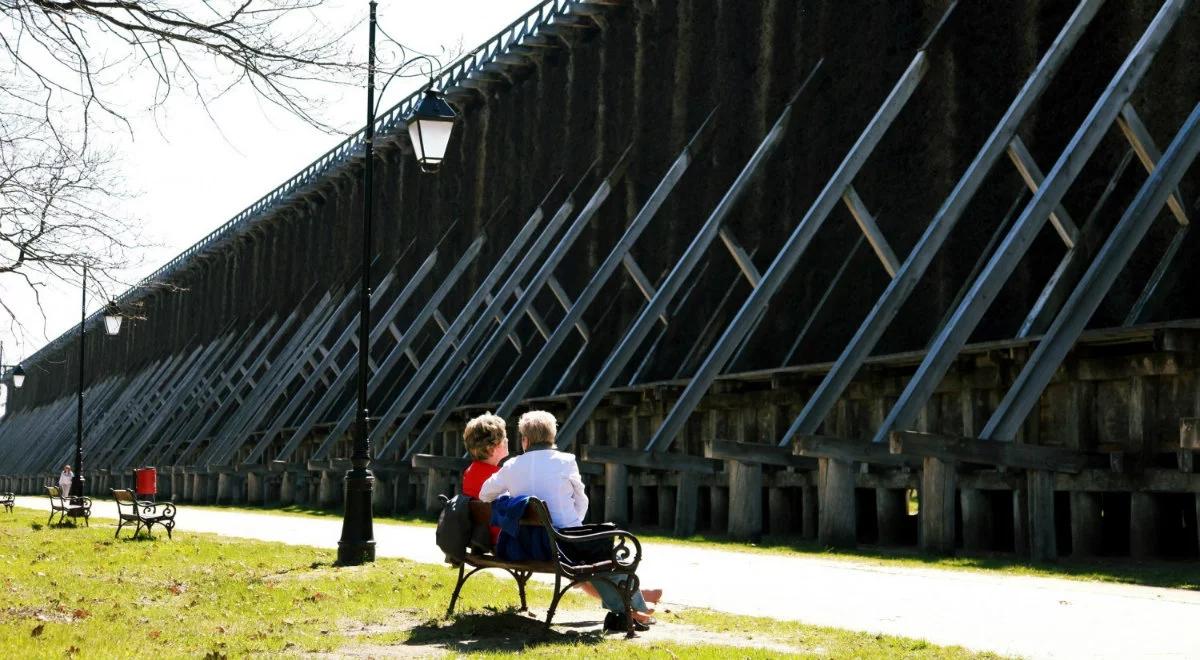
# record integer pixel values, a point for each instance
(17, 374)
(432, 121)
(112, 325)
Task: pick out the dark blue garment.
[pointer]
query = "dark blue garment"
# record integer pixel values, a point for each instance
(517, 543)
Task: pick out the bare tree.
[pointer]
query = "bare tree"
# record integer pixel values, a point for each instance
(76, 67)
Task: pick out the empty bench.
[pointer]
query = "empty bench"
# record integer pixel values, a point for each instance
(76, 507)
(142, 514)
(6, 500)
(622, 560)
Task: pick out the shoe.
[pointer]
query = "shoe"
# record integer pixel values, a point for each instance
(614, 622)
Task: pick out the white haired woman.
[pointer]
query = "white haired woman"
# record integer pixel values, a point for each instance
(64, 480)
(553, 477)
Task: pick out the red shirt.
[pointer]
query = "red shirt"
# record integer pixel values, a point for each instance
(474, 476)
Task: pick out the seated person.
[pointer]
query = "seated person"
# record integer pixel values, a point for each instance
(553, 477)
(487, 442)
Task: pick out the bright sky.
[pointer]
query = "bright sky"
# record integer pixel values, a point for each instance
(192, 175)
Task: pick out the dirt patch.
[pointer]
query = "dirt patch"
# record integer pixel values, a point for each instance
(508, 630)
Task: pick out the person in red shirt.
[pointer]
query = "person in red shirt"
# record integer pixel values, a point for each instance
(487, 442)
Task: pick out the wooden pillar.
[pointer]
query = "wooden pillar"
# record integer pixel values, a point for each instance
(781, 511)
(808, 508)
(640, 495)
(745, 500)
(1020, 509)
(287, 489)
(1086, 533)
(381, 494)
(687, 496)
(1143, 525)
(616, 493)
(1043, 545)
(837, 521)
(718, 499)
(891, 510)
(254, 488)
(402, 486)
(666, 503)
(978, 525)
(188, 487)
(199, 489)
(225, 488)
(939, 480)
(327, 491)
(436, 483)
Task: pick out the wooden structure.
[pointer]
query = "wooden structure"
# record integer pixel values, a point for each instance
(901, 294)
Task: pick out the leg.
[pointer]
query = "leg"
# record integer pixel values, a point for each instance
(457, 588)
(558, 592)
(521, 577)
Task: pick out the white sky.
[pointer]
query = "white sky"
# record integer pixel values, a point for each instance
(191, 175)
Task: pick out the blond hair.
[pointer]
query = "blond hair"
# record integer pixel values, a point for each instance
(482, 434)
(538, 428)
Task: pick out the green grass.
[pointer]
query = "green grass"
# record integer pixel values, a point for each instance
(1155, 573)
(79, 592)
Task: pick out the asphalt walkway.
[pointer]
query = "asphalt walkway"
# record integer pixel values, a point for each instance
(1032, 617)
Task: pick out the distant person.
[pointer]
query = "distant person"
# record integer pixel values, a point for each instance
(553, 477)
(486, 441)
(64, 481)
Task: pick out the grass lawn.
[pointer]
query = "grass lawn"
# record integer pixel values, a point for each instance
(1156, 573)
(79, 592)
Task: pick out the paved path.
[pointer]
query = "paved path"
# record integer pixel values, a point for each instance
(1026, 616)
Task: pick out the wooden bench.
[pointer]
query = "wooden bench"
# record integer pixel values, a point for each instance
(624, 558)
(76, 507)
(6, 499)
(143, 514)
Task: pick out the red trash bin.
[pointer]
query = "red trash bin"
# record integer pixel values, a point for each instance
(145, 482)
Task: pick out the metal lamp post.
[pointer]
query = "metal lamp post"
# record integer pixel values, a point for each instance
(112, 326)
(432, 121)
(17, 374)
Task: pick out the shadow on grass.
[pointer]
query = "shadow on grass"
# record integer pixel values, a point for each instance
(1173, 574)
(498, 630)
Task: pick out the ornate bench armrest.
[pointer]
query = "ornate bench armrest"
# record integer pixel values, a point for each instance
(626, 551)
(160, 510)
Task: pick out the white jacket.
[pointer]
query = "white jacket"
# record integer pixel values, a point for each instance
(551, 476)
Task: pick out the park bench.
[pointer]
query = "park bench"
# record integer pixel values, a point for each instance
(142, 514)
(623, 559)
(6, 499)
(76, 507)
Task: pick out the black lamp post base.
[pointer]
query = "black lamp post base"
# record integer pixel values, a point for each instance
(357, 545)
(77, 483)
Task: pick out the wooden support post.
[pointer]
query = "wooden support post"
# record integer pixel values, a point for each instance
(838, 522)
(225, 488)
(616, 493)
(1143, 525)
(809, 506)
(977, 520)
(254, 488)
(404, 492)
(718, 499)
(891, 509)
(939, 480)
(666, 503)
(327, 492)
(436, 484)
(287, 489)
(1043, 545)
(781, 511)
(1020, 508)
(687, 496)
(381, 494)
(212, 484)
(1086, 536)
(640, 496)
(745, 500)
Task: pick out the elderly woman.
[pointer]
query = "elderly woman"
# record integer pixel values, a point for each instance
(553, 477)
(64, 480)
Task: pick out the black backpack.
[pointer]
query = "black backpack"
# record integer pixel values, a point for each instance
(455, 532)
